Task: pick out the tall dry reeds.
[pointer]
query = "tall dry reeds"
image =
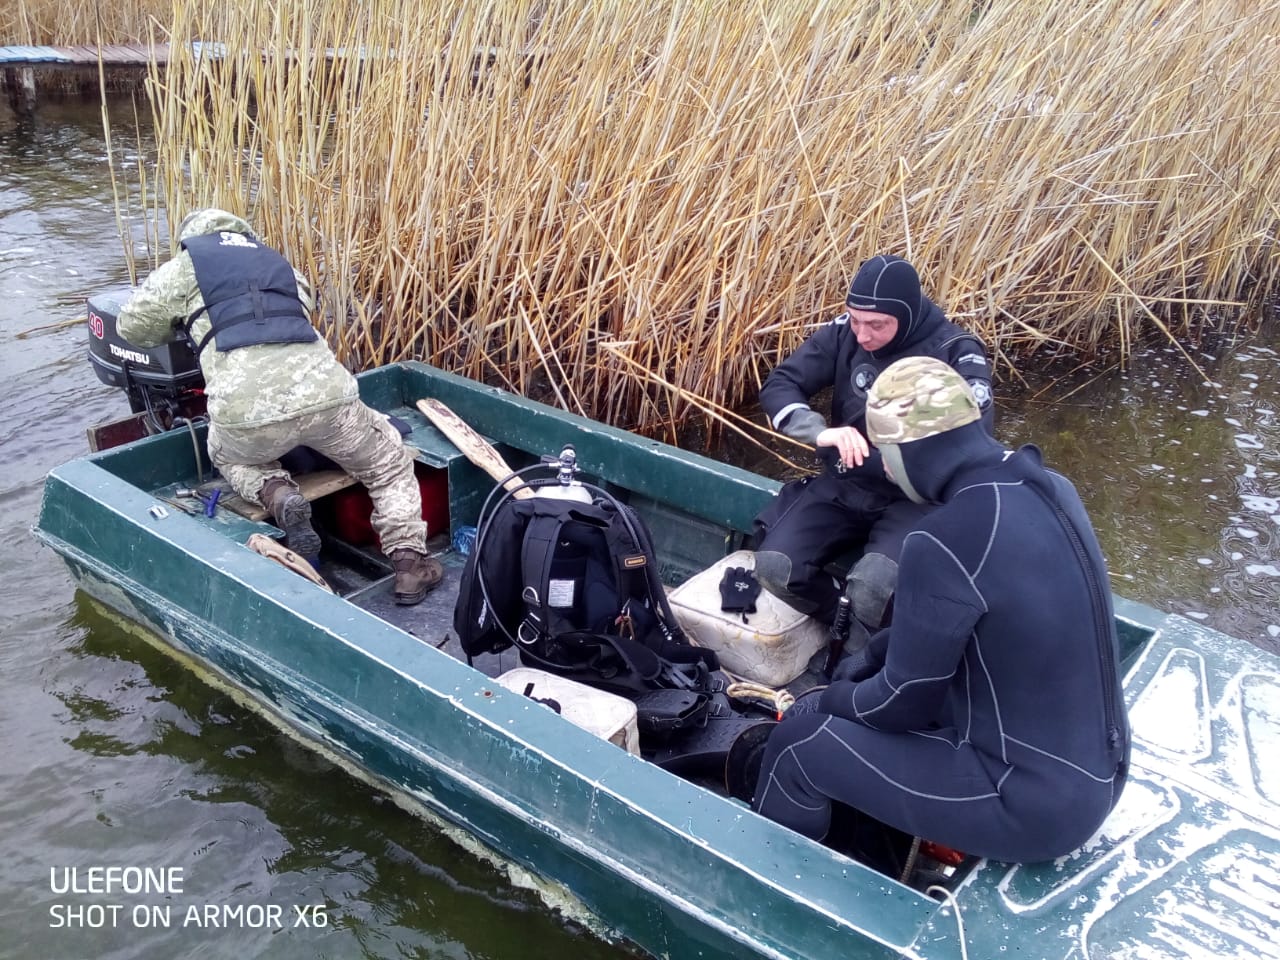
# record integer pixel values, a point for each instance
(626, 207)
(55, 22)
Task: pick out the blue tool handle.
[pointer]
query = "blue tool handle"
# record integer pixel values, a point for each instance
(212, 503)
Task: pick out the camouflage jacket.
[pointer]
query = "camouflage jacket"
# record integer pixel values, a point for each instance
(250, 386)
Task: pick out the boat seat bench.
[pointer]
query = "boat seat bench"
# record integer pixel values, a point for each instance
(426, 444)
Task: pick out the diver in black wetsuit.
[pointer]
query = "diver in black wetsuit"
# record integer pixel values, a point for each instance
(851, 505)
(989, 717)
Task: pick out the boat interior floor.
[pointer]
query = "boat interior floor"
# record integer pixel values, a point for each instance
(364, 577)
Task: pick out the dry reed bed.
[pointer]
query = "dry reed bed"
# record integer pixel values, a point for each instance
(71, 22)
(636, 210)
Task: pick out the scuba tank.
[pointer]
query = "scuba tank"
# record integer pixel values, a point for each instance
(565, 487)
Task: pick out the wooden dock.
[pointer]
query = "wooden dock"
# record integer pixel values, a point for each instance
(112, 55)
(21, 66)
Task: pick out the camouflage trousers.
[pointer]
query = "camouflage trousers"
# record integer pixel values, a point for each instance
(357, 438)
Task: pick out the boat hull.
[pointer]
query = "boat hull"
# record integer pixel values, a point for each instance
(669, 865)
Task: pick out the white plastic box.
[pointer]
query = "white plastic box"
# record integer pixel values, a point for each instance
(605, 714)
(773, 647)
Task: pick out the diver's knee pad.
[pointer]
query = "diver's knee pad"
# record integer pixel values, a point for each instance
(871, 584)
(773, 570)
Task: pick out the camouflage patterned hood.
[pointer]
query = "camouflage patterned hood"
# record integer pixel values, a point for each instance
(198, 223)
(923, 416)
(918, 397)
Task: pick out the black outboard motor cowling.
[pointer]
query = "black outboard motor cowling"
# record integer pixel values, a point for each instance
(164, 381)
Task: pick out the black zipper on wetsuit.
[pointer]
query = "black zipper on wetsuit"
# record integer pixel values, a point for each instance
(1103, 631)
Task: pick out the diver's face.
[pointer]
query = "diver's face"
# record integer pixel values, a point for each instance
(891, 454)
(873, 329)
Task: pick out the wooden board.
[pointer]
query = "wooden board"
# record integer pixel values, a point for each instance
(475, 447)
(265, 546)
(313, 486)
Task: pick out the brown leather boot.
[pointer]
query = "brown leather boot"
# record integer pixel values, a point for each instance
(292, 514)
(416, 573)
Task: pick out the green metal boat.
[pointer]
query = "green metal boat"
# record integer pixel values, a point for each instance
(1187, 866)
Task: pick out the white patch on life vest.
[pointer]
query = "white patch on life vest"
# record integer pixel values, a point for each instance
(231, 239)
(981, 392)
(977, 358)
(560, 594)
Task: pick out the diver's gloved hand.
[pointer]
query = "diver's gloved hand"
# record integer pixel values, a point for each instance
(738, 590)
(807, 702)
(865, 660)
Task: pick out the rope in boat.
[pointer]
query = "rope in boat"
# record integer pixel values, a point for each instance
(780, 700)
(910, 865)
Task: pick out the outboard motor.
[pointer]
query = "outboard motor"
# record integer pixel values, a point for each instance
(163, 382)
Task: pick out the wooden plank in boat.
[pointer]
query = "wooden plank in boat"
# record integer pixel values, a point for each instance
(314, 485)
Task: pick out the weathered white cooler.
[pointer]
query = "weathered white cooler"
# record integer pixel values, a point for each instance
(772, 647)
(605, 714)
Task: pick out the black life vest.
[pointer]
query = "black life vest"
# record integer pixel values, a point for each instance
(249, 291)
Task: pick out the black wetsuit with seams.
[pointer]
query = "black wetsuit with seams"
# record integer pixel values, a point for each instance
(815, 519)
(989, 717)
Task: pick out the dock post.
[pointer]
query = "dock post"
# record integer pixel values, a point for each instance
(21, 82)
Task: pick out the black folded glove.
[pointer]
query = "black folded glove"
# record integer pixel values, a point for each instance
(738, 591)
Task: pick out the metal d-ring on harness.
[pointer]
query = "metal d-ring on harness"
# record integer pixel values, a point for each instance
(566, 476)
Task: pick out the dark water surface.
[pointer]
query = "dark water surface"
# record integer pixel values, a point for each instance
(112, 754)
(1180, 473)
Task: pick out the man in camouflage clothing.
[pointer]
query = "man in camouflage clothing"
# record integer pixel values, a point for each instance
(272, 384)
(989, 717)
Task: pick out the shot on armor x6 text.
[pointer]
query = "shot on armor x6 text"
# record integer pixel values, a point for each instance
(143, 898)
